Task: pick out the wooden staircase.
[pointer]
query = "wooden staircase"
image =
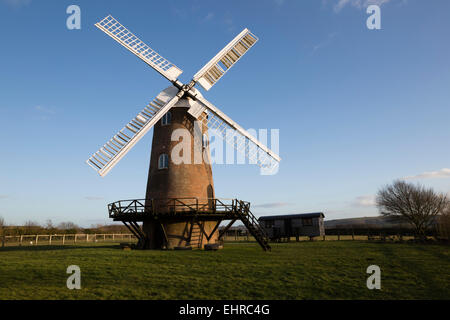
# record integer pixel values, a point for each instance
(196, 236)
(252, 224)
(130, 212)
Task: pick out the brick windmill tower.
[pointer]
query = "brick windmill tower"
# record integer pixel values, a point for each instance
(180, 209)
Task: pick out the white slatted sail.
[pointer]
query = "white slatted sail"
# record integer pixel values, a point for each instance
(119, 145)
(122, 35)
(225, 59)
(253, 149)
(116, 148)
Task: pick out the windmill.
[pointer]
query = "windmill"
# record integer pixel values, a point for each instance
(180, 209)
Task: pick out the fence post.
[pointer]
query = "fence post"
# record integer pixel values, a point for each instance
(75, 238)
(50, 239)
(37, 239)
(64, 238)
(3, 241)
(21, 239)
(339, 235)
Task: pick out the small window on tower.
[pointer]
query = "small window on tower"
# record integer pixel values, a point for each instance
(205, 141)
(163, 161)
(166, 119)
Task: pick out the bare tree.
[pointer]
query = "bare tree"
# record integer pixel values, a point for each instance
(414, 203)
(2, 225)
(68, 227)
(30, 223)
(31, 227)
(444, 224)
(49, 224)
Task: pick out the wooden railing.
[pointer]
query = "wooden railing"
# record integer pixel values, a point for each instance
(40, 239)
(141, 207)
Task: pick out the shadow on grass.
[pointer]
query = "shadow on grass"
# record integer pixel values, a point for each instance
(410, 265)
(438, 255)
(58, 247)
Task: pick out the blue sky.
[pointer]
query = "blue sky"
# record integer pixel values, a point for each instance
(356, 108)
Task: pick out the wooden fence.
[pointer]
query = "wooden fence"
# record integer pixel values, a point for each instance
(338, 237)
(70, 239)
(41, 239)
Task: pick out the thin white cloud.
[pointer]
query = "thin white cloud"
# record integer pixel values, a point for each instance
(93, 198)
(443, 173)
(365, 201)
(44, 113)
(4, 196)
(324, 43)
(178, 12)
(228, 21)
(16, 3)
(272, 205)
(359, 4)
(279, 2)
(44, 110)
(209, 16)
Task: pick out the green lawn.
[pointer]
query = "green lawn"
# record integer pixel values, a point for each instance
(305, 270)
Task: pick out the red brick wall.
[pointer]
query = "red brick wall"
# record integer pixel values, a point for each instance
(182, 180)
(178, 181)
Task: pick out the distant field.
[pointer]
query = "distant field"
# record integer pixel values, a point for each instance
(305, 270)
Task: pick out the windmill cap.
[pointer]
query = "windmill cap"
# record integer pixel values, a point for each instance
(167, 94)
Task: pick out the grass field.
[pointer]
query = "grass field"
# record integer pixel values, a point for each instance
(305, 270)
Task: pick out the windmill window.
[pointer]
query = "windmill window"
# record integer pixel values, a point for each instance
(205, 141)
(166, 119)
(163, 161)
(307, 222)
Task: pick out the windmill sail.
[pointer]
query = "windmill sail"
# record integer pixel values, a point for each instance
(225, 59)
(253, 149)
(122, 35)
(119, 145)
(116, 148)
